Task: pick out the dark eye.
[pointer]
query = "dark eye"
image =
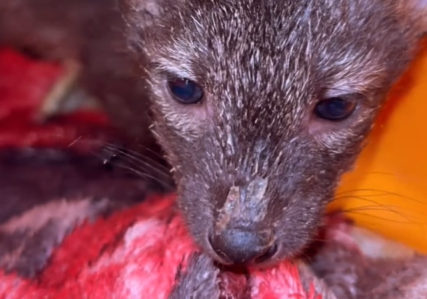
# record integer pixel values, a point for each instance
(335, 109)
(185, 91)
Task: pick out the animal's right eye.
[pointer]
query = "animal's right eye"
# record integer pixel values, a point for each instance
(185, 91)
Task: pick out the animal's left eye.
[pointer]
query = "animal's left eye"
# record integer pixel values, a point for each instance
(335, 109)
(185, 91)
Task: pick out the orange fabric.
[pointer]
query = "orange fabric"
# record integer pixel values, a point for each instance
(391, 174)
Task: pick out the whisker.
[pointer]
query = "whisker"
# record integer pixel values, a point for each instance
(375, 224)
(135, 155)
(75, 141)
(379, 173)
(144, 163)
(115, 146)
(381, 206)
(146, 175)
(85, 140)
(379, 193)
(110, 148)
(361, 212)
(153, 152)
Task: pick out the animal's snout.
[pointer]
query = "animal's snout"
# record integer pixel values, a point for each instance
(243, 245)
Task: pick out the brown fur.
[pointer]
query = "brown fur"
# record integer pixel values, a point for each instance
(263, 66)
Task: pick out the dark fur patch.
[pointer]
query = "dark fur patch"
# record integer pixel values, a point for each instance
(199, 280)
(350, 275)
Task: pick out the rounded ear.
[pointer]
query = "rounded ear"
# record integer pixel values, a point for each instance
(141, 13)
(140, 16)
(421, 5)
(417, 9)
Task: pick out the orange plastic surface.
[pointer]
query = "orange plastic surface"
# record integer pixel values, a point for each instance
(387, 191)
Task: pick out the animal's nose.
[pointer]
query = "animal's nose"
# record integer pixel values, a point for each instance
(243, 246)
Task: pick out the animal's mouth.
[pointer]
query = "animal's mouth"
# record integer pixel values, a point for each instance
(268, 255)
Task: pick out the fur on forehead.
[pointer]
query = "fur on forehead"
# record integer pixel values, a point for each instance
(141, 14)
(403, 22)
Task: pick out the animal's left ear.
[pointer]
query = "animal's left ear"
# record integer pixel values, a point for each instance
(417, 11)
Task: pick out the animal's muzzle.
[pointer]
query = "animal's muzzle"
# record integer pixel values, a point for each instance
(243, 246)
(242, 234)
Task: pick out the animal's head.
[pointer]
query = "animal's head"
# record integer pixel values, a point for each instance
(261, 106)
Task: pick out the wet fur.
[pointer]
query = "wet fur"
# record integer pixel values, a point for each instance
(263, 66)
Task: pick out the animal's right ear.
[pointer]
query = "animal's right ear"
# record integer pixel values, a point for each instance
(144, 13)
